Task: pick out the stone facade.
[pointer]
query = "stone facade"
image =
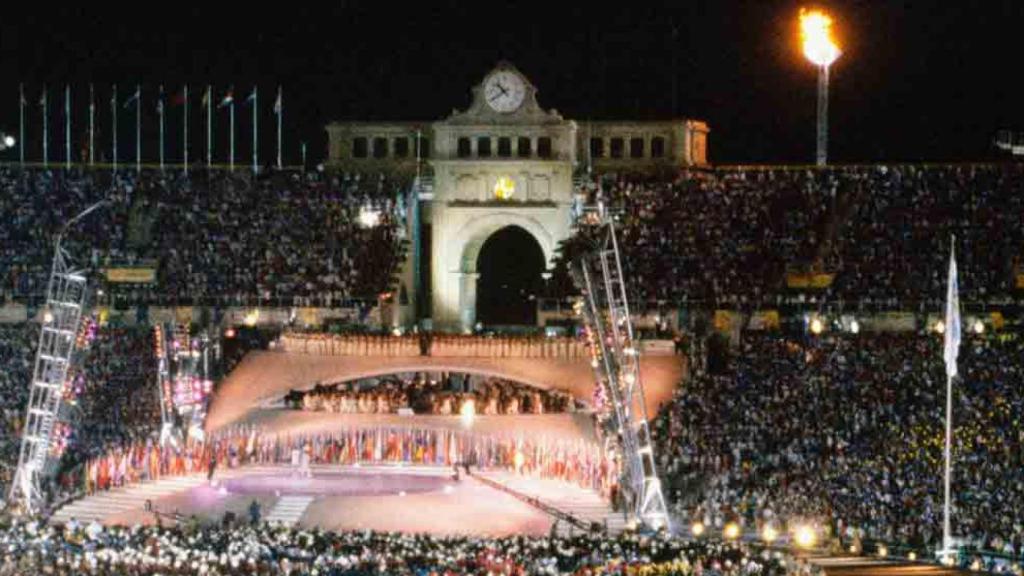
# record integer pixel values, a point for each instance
(504, 161)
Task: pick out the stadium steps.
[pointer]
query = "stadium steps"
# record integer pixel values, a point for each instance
(104, 504)
(289, 509)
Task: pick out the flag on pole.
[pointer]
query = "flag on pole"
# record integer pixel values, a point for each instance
(277, 103)
(228, 98)
(252, 96)
(206, 96)
(160, 101)
(951, 348)
(134, 97)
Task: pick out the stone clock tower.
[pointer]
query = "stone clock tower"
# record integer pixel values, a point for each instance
(502, 162)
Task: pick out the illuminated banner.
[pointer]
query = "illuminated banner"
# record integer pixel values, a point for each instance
(764, 320)
(131, 275)
(819, 281)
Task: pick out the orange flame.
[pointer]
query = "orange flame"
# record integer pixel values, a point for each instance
(816, 36)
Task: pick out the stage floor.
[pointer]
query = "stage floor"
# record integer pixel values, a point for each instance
(388, 498)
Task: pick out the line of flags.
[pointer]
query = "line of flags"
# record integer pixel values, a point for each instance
(135, 100)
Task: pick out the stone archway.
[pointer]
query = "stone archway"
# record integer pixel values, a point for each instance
(457, 248)
(510, 269)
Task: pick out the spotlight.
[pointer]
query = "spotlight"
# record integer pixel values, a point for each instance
(48, 317)
(976, 565)
(855, 327)
(368, 217)
(731, 531)
(769, 533)
(697, 528)
(912, 556)
(882, 551)
(940, 327)
(979, 327)
(805, 536)
(817, 326)
(229, 333)
(468, 410)
(9, 141)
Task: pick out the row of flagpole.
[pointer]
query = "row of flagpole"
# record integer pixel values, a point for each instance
(228, 101)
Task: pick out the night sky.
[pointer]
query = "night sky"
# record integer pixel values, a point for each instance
(927, 81)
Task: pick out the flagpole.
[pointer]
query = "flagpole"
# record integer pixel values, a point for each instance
(67, 126)
(160, 109)
(186, 129)
(280, 113)
(951, 345)
(947, 536)
(21, 123)
(231, 152)
(303, 156)
(209, 126)
(46, 138)
(255, 129)
(113, 107)
(138, 128)
(92, 125)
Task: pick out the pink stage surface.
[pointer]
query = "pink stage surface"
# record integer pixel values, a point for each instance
(409, 499)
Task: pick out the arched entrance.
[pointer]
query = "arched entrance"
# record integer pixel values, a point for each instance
(509, 265)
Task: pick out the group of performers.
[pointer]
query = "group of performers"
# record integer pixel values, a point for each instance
(491, 397)
(579, 462)
(430, 344)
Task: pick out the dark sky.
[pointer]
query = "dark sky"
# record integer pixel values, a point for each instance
(917, 81)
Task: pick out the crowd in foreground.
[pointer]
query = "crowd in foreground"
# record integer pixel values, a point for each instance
(271, 550)
(848, 431)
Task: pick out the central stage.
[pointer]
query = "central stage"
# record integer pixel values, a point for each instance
(385, 498)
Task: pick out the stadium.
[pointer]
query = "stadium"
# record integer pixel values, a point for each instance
(501, 340)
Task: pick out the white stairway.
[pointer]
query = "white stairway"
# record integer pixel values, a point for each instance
(105, 504)
(289, 509)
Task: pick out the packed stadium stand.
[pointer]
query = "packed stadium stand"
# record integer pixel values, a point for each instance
(844, 429)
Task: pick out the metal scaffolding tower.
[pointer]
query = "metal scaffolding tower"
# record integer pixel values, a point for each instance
(65, 298)
(617, 367)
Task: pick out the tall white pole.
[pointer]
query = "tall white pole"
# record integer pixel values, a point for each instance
(822, 140)
(46, 134)
(947, 533)
(280, 114)
(113, 115)
(231, 153)
(92, 125)
(185, 124)
(160, 109)
(138, 128)
(255, 120)
(21, 123)
(209, 126)
(67, 126)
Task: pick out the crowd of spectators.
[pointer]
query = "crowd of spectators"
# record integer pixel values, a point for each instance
(729, 237)
(110, 399)
(389, 395)
(266, 549)
(213, 237)
(848, 431)
(17, 348)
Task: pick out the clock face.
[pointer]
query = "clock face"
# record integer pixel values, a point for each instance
(504, 91)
